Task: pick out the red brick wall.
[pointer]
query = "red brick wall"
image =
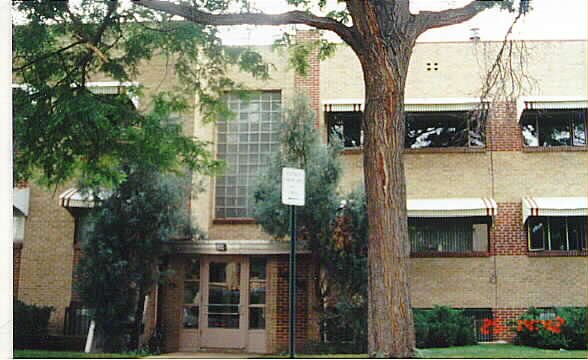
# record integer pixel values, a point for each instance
(281, 328)
(310, 84)
(507, 233)
(16, 255)
(503, 131)
(505, 317)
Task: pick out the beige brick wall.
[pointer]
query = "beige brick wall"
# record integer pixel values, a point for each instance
(539, 281)
(458, 282)
(47, 255)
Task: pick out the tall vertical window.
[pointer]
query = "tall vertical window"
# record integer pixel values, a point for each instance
(257, 291)
(18, 225)
(191, 294)
(245, 143)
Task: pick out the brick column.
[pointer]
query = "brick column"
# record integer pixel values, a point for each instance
(310, 84)
(503, 129)
(507, 318)
(507, 234)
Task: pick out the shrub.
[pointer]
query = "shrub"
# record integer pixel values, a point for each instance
(443, 327)
(567, 333)
(30, 324)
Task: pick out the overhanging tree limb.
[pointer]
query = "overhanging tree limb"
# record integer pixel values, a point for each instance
(290, 17)
(436, 19)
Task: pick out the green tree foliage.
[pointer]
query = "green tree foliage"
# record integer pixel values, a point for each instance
(64, 130)
(301, 147)
(566, 330)
(122, 252)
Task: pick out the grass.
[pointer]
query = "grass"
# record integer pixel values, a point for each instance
(487, 351)
(46, 354)
(499, 351)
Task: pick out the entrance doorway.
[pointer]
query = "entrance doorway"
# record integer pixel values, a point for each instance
(225, 290)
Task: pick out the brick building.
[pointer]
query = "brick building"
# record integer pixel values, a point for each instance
(498, 216)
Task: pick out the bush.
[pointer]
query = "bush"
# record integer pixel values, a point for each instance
(569, 333)
(30, 324)
(443, 327)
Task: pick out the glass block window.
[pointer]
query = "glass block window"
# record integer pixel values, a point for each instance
(245, 143)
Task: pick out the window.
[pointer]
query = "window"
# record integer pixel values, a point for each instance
(445, 129)
(245, 143)
(191, 294)
(448, 234)
(257, 292)
(554, 127)
(346, 125)
(83, 225)
(551, 233)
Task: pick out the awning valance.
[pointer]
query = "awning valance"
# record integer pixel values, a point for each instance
(451, 207)
(410, 105)
(21, 199)
(550, 103)
(554, 206)
(75, 198)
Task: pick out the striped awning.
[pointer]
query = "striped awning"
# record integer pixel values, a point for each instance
(75, 198)
(465, 207)
(550, 103)
(554, 206)
(410, 105)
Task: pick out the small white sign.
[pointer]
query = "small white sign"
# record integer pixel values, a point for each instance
(292, 186)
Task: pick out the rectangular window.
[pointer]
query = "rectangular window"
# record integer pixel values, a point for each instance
(245, 143)
(18, 226)
(443, 129)
(347, 126)
(447, 235)
(565, 127)
(257, 292)
(191, 294)
(557, 233)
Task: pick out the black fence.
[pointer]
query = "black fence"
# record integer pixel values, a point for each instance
(77, 321)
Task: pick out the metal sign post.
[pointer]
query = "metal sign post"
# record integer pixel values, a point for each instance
(292, 195)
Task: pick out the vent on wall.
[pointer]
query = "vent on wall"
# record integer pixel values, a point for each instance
(432, 66)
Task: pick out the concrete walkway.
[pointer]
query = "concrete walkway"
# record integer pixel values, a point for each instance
(203, 355)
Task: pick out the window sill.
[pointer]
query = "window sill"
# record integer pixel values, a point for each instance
(421, 254)
(542, 149)
(445, 150)
(233, 221)
(557, 253)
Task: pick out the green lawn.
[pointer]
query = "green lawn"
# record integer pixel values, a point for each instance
(498, 351)
(45, 354)
(489, 351)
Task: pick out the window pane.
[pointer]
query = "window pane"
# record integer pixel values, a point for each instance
(557, 233)
(446, 236)
(257, 292)
(193, 269)
(191, 293)
(257, 318)
(438, 129)
(347, 126)
(243, 142)
(579, 128)
(537, 232)
(577, 232)
(18, 225)
(257, 268)
(554, 127)
(191, 317)
(530, 133)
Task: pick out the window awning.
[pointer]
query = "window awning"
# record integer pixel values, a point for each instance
(554, 206)
(75, 198)
(410, 105)
(550, 103)
(20, 200)
(451, 207)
